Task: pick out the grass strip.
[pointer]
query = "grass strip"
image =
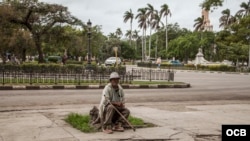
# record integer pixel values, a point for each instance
(81, 122)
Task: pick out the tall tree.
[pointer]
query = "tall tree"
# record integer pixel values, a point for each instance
(142, 20)
(156, 24)
(128, 33)
(128, 15)
(245, 11)
(150, 15)
(199, 24)
(118, 33)
(208, 4)
(135, 37)
(226, 19)
(165, 11)
(38, 18)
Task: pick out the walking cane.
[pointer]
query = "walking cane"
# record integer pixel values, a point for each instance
(121, 115)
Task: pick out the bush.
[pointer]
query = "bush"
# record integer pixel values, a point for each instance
(55, 59)
(58, 68)
(221, 68)
(74, 62)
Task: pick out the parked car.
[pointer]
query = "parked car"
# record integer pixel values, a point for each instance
(112, 61)
(175, 63)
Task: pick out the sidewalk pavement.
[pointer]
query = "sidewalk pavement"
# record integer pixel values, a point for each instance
(192, 123)
(125, 86)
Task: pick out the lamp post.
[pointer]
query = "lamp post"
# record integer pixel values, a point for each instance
(115, 50)
(89, 36)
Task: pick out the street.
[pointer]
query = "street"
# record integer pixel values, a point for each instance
(204, 87)
(192, 114)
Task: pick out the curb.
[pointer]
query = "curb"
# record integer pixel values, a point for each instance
(219, 72)
(79, 87)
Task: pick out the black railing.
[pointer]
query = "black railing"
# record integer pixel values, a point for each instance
(79, 76)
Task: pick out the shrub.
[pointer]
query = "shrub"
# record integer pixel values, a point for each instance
(58, 68)
(55, 59)
(74, 62)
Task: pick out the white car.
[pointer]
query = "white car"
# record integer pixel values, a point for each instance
(112, 60)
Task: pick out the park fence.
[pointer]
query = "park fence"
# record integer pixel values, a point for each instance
(68, 75)
(151, 74)
(81, 77)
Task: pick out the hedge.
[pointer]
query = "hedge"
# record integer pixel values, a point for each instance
(58, 68)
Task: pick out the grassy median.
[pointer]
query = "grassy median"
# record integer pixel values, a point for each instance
(81, 122)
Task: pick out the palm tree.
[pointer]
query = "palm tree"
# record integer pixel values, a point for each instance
(135, 36)
(245, 11)
(112, 36)
(199, 24)
(156, 25)
(150, 15)
(118, 33)
(226, 19)
(165, 11)
(128, 15)
(128, 33)
(142, 20)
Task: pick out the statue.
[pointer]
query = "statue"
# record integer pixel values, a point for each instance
(200, 58)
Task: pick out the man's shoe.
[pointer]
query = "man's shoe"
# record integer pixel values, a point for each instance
(107, 131)
(118, 128)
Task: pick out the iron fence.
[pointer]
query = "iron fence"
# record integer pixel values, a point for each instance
(35, 75)
(31, 77)
(151, 74)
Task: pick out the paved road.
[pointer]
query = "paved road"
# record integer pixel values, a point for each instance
(190, 114)
(204, 87)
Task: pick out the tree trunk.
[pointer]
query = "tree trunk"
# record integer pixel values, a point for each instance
(145, 45)
(24, 55)
(39, 49)
(4, 58)
(156, 48)
(142, 44)
(166, 33)
(149, 47)
(130, 33)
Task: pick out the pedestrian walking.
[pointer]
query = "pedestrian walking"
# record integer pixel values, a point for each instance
(158, 62)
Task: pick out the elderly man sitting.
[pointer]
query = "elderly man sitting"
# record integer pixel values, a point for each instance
(113, 97)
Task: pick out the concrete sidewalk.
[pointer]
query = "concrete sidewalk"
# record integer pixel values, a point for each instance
(192, 123)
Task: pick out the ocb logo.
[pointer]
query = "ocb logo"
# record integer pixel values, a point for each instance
(236, 132)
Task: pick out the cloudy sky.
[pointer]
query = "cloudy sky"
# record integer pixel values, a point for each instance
(109, 13)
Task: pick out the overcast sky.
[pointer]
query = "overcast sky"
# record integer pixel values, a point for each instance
(109, 13)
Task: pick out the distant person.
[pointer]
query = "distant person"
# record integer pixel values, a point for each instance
(158, 62)
(64, 59)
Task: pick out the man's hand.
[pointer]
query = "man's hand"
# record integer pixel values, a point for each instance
(118, 104)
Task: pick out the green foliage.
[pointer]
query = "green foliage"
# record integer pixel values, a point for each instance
(127, 51)
(74, 62)
(208, 4)
(224, 68)
(55, 59)
(135, 120)
(58, 68)
(80, 122)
